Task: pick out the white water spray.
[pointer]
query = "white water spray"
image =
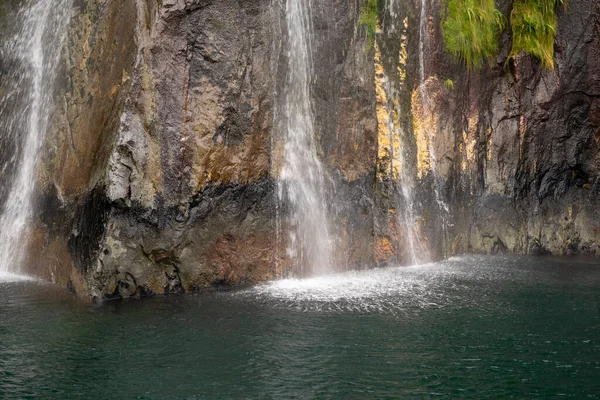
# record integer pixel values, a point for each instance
(36, 48)
(301, 185)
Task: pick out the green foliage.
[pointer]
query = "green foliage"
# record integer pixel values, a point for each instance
(470, 30)
(534, 28)
(449, 84)
(368, 19)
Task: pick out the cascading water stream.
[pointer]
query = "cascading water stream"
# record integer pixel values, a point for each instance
(407, 217)
(301, 184)
(35, 50)
(423, 39)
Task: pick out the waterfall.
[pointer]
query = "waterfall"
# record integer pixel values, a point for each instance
(34, 52)
(402, 170)
(437, 184)
(423, 36)
(301, 183)
(408, 216)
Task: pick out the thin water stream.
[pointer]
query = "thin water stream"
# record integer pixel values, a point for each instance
(401, 169)
(408, 215)
(429, 131)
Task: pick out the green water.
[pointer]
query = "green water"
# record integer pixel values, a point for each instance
(474, 327)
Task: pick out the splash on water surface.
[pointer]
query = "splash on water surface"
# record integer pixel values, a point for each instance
(8, 277)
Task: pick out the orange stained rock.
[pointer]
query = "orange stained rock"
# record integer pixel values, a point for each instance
(388, 163)
(422, 123)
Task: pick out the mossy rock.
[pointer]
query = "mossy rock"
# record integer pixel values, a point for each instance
(534, 25)
(368, 19)
(470, 29)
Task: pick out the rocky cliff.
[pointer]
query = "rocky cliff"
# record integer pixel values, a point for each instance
(517, 145)
(161, 164)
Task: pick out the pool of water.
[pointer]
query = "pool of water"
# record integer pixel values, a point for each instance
(470, 327)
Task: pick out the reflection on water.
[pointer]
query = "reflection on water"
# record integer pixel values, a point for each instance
(475, 327)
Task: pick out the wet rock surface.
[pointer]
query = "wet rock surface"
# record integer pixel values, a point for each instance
(517, 145)
(161, 164)
(160, 173)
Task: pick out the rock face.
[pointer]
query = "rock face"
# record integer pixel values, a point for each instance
(517, 145)
(513, 148)
(160, 174)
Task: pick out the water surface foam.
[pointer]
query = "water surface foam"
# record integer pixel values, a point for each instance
(8, 277)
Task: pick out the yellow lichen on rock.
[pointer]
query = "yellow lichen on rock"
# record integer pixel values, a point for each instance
(396, 141)
(432, 128)
(388, 166)
(383, 119)
(386, 246)
(421, 120)
(471, 136)
(384, 250)
(403, 54)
